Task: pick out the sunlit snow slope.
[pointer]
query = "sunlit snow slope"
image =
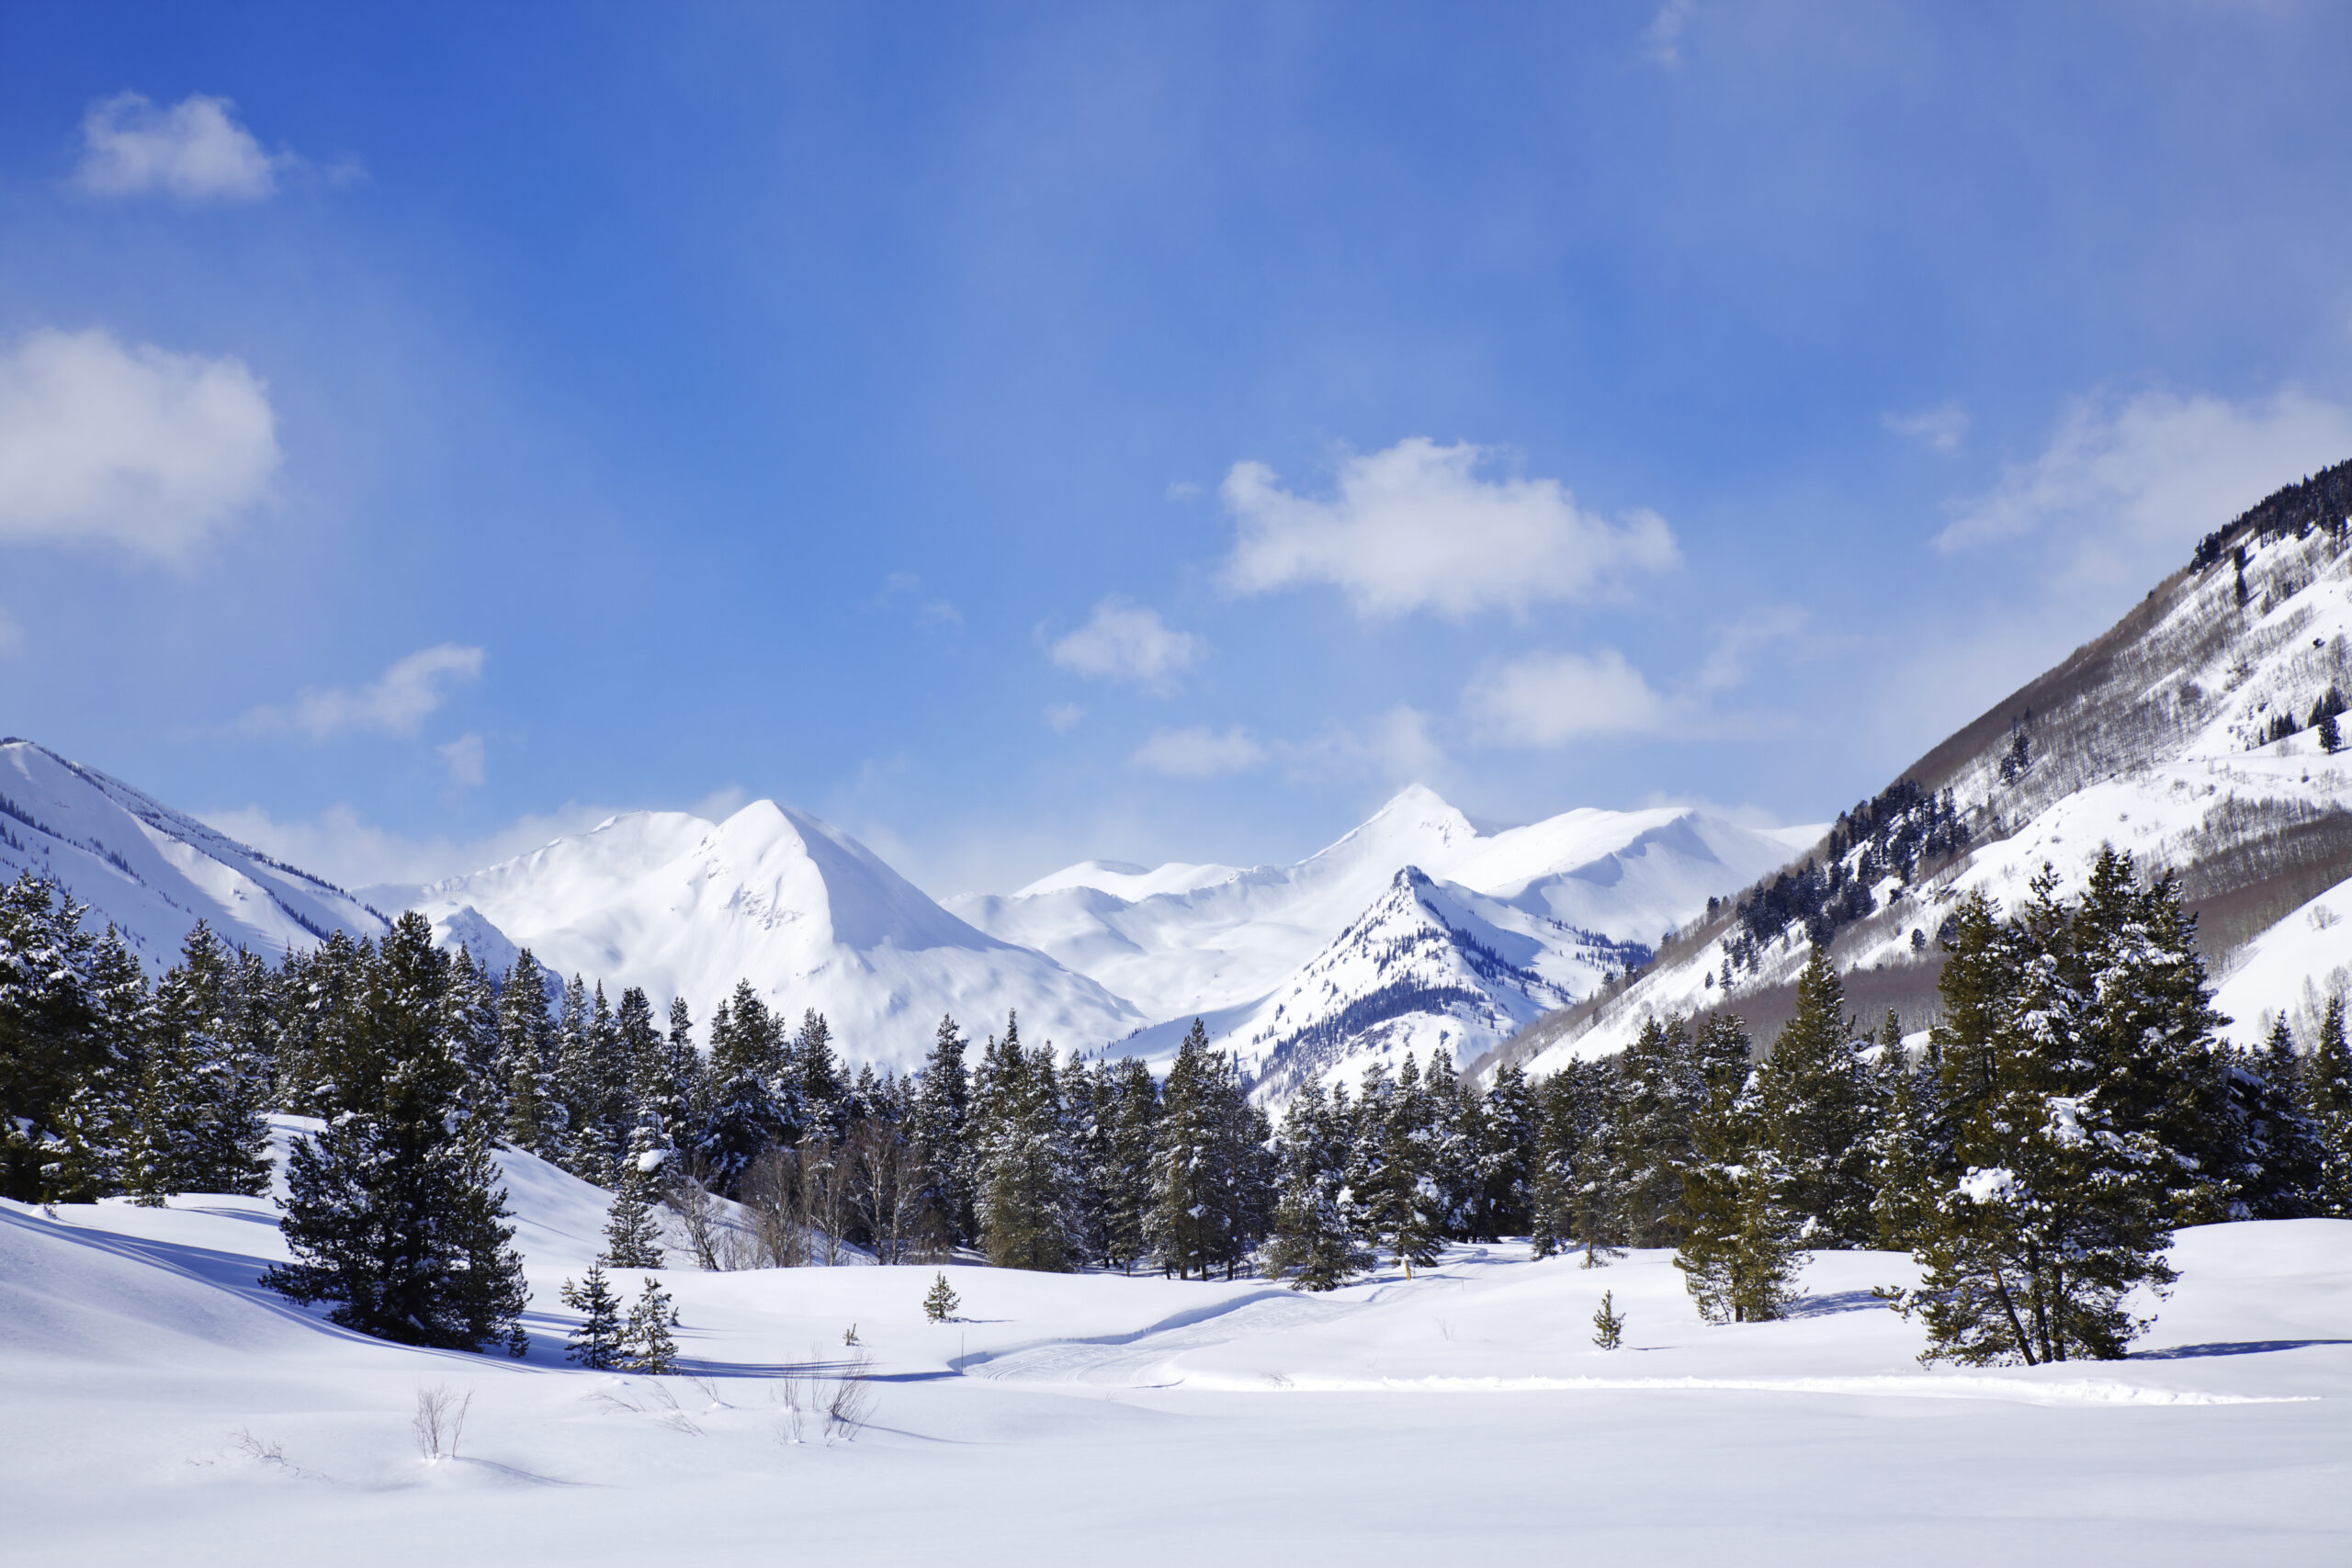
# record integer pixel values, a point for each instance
(809, 914)
(152, 872)
(2152, 739)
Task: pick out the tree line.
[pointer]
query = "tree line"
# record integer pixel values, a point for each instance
(2071, 1105)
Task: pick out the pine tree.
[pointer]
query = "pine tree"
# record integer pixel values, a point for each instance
(1657, 1088)
(393, 1211)
(1026, 1171)
(1741, 1248)
(1568, 1106)
(317, 1047)
(1818, 1099)
(941, 1108)
(471, 1004)
(47, 1039)
(1125, 1176)
(92, 1153)
(815, 1078)
(2062, 1182)
(1608, 1324)
(1313, 1244)
(524, 1066)
(1506, 1138)
(939, 1305)
(1186, 1220)
(201, 1121)
(647, 1343)
(597, 1343)
(1396, 1206)
(745, 1116)
(2326, 1079)
(632, 1229)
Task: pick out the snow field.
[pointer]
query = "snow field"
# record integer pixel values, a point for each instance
(162, 1406)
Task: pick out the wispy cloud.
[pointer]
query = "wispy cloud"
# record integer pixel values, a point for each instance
(195, 150)
(1942, 427)
(1546, 700)
(1199, 752)
(130, 445)
(1127, 642)
(397, 703)
(1662, 39)
(1414, 528)
(1063, 717)
(464, 757)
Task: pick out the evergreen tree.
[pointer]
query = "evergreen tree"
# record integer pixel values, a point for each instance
(1741, 1247)
(632, 1229)
(1243, 1168)
(48, 1040)
(1818, 1101)
(649, 1344)
(1397, 1206)
(524, 1066)
(392, 1211)
(941, 1108)
(1506, 1138)
(745, 1116)
(1567, 1104)
(597, 1343)
(1025, 1170)
(1186, 1219)
(472, 1007)
(1608, 1324)
(2325, 1081)
(2062, 1185)
(815, 1078)
(319, 994)
(95, 1146)
(1314, 1246)
(1452, 1118)
(1125, 1173)
(1658, 1089)
(940, 1304)
(201, 1121)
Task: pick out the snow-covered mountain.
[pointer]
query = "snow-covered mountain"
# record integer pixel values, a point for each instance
(152, 872)
(812, 917)
(2158, 738)
(1325, 965)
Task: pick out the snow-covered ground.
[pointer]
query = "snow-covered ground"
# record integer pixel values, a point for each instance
(162, 1407)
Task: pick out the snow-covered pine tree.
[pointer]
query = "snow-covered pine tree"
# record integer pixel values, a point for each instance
(2061, 1186)
(940, 1303)
(814, 1077)
(2326, 1077)
(90, 1154)
(1741, 1246)
(1314, 1246)
(1125, 1176)
(597, 1343)
(1089, 1099)
(48, 1041)
(1395, 1206)
(1185, 1216)
(1564, 1107)
(1658, 1089)
(1453, 1116)
(204, 1092)
(318, 993)
(942, 1107)
(1818, 1108)
(393, 1212)
(1025, 1171)
(648, 1339)
(472, 1008)
(1243, 1167)
(524, 1066)
(633, 1224)
(1506, 1138)
(744, 1118)
(666, 1075)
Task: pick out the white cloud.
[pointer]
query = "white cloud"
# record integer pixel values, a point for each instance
(195, 150)
(1737, 644)
(1199, 752)
(1126, 641)
(1063, 717)
(1546, 700)
(1395, 747)
(397, 703)
(1662, 39)
(465, 759)
(1414, 528)
(2126, 486)
(1942, 428)
(135, 445)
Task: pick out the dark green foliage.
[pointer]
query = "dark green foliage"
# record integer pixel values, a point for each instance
(597, 1344)
(940, 1303)
(393, 1213)
(1395, 1205)
(938, 1127)
(1817, 1103)
(1656, 1096)
(1608, 1322)
(649, 1343)
(1209, 1166)
(92, 1148)
(1314, 1246)
(2326, 1083)
(48, 1040)
(632, 1228)
(524, 1066)
(1742, 1238)
(201, 1122)
(1026, 1176)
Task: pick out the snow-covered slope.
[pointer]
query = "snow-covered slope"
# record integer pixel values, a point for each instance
(2153, 738)
(812, 917)
(152, 872)
(1214, 943)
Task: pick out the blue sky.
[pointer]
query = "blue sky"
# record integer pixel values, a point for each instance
(1019, 434)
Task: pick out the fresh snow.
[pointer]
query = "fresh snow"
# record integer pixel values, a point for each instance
(166, 1408)
(151, 872)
